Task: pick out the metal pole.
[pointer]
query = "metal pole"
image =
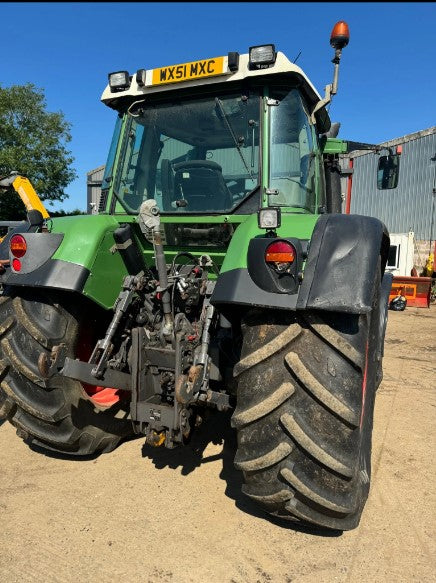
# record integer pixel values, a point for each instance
(349, 187)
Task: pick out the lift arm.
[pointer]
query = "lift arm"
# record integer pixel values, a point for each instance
(25, 191)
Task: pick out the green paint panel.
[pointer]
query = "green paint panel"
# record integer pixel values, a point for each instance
(89, 238)
(83, 236)
(298, 226)
(87, 242)
(335, 146)
(107, 273)
(216, 252)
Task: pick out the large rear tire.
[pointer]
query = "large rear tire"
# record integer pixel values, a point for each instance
(304, 415)
(57, 414)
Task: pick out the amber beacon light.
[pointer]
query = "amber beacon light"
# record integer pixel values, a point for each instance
(340, 35)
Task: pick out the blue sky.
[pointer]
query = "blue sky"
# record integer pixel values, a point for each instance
(387, 81)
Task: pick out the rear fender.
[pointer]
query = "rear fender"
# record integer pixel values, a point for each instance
(341, 266)
(342, 258)
(79, 254)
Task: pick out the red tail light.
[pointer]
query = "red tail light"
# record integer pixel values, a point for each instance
(18, 246)
(16, 264)
(280, 252)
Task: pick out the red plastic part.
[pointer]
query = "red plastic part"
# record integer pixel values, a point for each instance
(16, 264)
(102, 396)
(281, 252)
(18, 246)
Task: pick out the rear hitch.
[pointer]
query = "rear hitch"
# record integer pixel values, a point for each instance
(57, 363)
(49, 365)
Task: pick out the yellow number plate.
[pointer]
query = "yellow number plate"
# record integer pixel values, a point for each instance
(188, 71)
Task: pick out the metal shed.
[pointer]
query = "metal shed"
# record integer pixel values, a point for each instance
(410, 206)
(93, 188)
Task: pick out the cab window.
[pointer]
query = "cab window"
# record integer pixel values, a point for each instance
(292, 153)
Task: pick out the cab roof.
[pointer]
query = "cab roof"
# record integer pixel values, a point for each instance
(163, 80)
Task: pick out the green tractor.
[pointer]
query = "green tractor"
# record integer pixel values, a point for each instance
(218, 274)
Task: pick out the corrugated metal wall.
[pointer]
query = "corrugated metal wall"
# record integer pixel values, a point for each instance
(410, 206)
(93, 186)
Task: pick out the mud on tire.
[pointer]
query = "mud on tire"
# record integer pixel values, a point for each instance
(306, 386)
(55, 414)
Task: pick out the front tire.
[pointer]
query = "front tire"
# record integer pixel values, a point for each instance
(57, 414)
(304, 416)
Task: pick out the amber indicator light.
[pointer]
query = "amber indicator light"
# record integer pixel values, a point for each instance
(280, 252)
(18, 246)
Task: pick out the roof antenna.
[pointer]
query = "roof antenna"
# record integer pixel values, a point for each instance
(296, 58)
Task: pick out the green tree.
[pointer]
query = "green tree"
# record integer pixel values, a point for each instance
(33, 143)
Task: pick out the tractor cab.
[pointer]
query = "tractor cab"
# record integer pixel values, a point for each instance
(222, 136)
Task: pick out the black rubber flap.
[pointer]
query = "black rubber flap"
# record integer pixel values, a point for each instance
(340, 269)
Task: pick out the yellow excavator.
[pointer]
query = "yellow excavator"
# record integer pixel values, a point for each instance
(25, 191)
(31, 201)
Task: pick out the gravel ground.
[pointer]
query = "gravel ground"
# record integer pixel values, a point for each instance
(178, 516)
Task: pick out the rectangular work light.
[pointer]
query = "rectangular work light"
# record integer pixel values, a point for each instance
(269, 218)
(119, 81)
(262, 56)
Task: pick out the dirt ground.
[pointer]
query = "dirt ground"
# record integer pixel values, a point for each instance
(158, 516)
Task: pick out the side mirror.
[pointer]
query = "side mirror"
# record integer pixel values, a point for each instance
(388, 171)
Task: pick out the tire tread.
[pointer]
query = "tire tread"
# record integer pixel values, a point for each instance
(299, 430)
(55, 415)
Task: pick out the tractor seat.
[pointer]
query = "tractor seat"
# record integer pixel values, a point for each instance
(201, 184)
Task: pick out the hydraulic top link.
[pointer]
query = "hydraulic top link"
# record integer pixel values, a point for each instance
(149, 221)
